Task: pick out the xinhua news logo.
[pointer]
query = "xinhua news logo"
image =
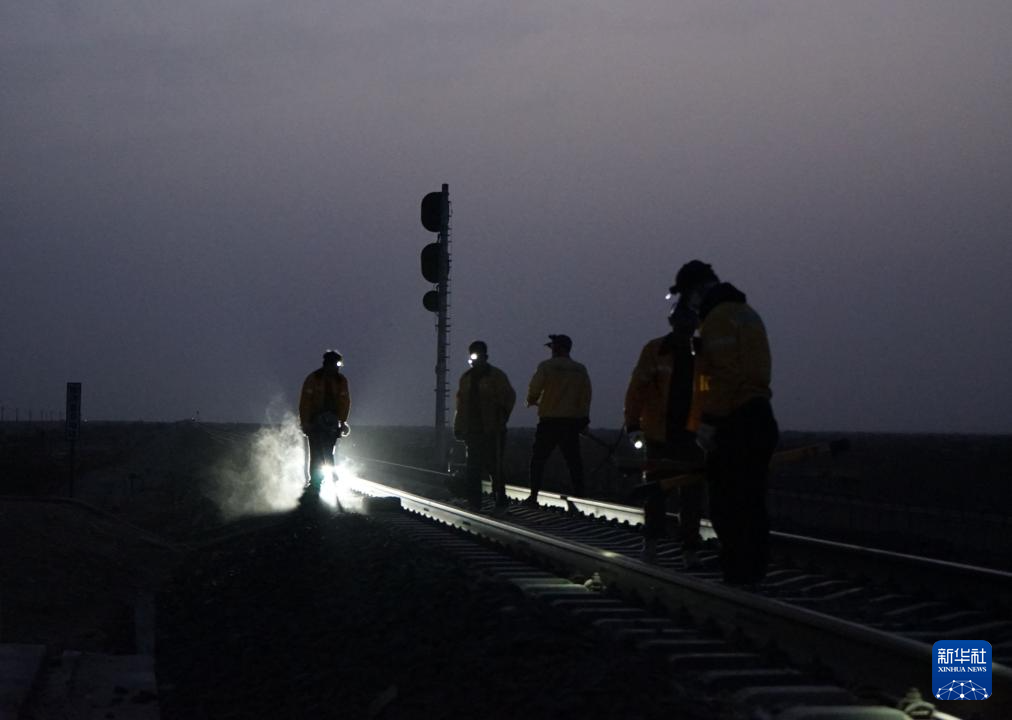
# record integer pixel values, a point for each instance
(962, 670)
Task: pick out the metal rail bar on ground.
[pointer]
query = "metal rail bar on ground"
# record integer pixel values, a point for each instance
(867, 655)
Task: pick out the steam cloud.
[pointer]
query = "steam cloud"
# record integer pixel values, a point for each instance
(268, 478)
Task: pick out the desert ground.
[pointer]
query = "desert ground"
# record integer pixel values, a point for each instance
(70, 576)
(263, 612)
(148, 510)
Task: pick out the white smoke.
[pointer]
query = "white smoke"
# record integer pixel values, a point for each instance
(268, 475)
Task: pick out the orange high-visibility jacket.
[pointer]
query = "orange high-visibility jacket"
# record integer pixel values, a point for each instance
(649, 389)
(496, 398)
(323, 391)
(733, 362)
(560, 388)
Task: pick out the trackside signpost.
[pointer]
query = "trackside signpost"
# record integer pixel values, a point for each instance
(73, 426)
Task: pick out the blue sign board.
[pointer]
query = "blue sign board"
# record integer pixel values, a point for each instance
(961, 670)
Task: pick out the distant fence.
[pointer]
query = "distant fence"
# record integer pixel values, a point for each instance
(29, 415)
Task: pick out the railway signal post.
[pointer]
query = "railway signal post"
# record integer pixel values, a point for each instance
(436, 269)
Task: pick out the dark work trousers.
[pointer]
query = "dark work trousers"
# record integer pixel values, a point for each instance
(321, 452)
(564, 433)
(737, 473)
(484, 458)
(690, 495)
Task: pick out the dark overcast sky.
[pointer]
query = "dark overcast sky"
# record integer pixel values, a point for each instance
(198, 197)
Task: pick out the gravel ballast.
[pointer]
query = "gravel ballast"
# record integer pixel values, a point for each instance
(344, 616)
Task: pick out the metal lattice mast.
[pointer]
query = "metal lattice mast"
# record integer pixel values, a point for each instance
(443, 329)
(436, 269)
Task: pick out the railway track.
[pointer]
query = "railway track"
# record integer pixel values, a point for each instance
(836, 631)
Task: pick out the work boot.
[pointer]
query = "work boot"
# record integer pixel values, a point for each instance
(530, 501)
(308, 499)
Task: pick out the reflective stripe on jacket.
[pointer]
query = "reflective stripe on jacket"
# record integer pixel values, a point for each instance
(323, 391)
(733, 359)
(561, 389)
(649, 390)
(496, 398)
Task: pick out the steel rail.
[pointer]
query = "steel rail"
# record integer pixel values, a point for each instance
(942, 577)
(899, 566)
(594, 508)
(870, 657)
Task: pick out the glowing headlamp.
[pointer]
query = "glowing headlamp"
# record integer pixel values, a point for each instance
(474, 356)
(638, 444)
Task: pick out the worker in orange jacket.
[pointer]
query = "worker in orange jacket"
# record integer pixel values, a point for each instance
(324, 405)
(485, 400)
(737, 429)
(660, 413)
(561, 390)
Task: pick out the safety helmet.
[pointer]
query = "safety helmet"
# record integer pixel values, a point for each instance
(333, 356)
(563, 342)
(691, 274)
(477, 350)
(479, 347)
